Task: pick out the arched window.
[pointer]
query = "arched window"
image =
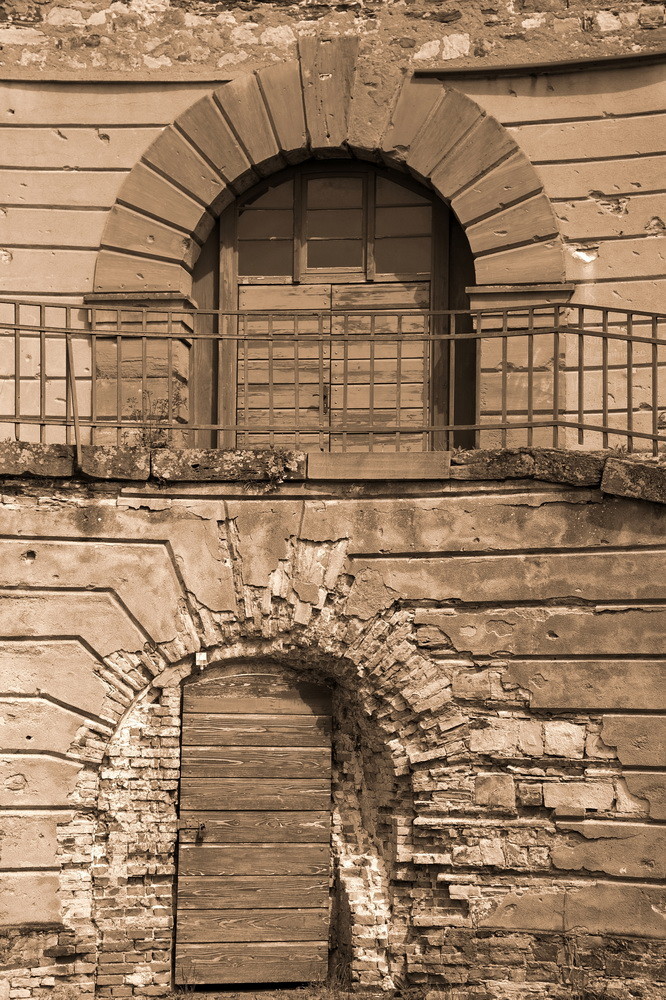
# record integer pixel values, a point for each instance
(333, 277)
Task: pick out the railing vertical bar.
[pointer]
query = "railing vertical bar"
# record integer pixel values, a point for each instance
(478, 342)
(17, 369)
(93, 375)
(505, 362)
(297, 379)
(42, 374)
(71, 378)
(271, 382)
(530, 377)
(398, 384)
(144, 367)
(171, 377)
(246, 381)
(345, 380)
(655, 386)
(426, 328)
(581, 375)
(630, 383)
(119, 383)
(556, 376)
(373, 329)
(451, 377)
(604, 377)
(322, 387)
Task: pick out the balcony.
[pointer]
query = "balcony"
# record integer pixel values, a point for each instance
(574, 377)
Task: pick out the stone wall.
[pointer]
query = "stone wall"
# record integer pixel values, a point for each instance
(146, 36)
(496, 648)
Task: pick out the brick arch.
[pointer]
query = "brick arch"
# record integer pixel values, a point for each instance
(310, 107)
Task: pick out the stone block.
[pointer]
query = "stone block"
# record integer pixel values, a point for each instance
(29, 897)
(213, 465)
(651, 787)
(18, 458)
(564, 739)
(564, 796)
(110, 462)
(622, 683)
(576, 468)
(640, 740)
(497, 791)
(625, 478)
(630, 849)
(502, 463)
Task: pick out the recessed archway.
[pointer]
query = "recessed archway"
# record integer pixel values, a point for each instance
(259, 123)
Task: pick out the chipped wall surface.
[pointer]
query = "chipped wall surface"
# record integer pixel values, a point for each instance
(592, 137)
(496, 652)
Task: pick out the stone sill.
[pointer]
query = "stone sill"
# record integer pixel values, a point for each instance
(641, 477)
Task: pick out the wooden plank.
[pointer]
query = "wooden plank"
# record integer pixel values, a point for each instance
(250, 762)
(201, 926)
(256, 692)
(433, 465)
(597, 138)
(273, 297)
(96, 104)
(262, 963)
(35, 227)
(254, 859)
(75, 147)
(245, 891)
(260, 793)
(54, 188)
(611, 177)
(530, 97)
(248, 827)
(381, 295)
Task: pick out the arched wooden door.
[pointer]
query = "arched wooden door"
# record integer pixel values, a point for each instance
(348, 246)
(252, 900)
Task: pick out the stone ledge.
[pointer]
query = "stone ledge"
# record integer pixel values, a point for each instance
(637, 478)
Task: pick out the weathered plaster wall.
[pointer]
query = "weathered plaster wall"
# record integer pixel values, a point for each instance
(595, 139)
(498, 643)
(151, 35)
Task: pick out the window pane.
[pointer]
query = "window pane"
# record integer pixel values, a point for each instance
(335, 192)
(408, 255)
(265, 257)
(335, 253)
(253, 224)
(335, 223)
(280, 196)
(403, 221)
(390, 193)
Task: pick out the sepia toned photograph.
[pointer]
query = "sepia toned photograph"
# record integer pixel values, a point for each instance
(332, 500)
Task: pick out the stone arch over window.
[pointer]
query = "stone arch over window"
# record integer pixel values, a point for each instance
(308, 108)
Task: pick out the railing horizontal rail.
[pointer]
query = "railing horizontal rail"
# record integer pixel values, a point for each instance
(340, 379)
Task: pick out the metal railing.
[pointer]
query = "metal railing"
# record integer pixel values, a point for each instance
(342, 380)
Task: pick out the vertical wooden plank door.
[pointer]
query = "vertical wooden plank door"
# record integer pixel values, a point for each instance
(253, 861)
